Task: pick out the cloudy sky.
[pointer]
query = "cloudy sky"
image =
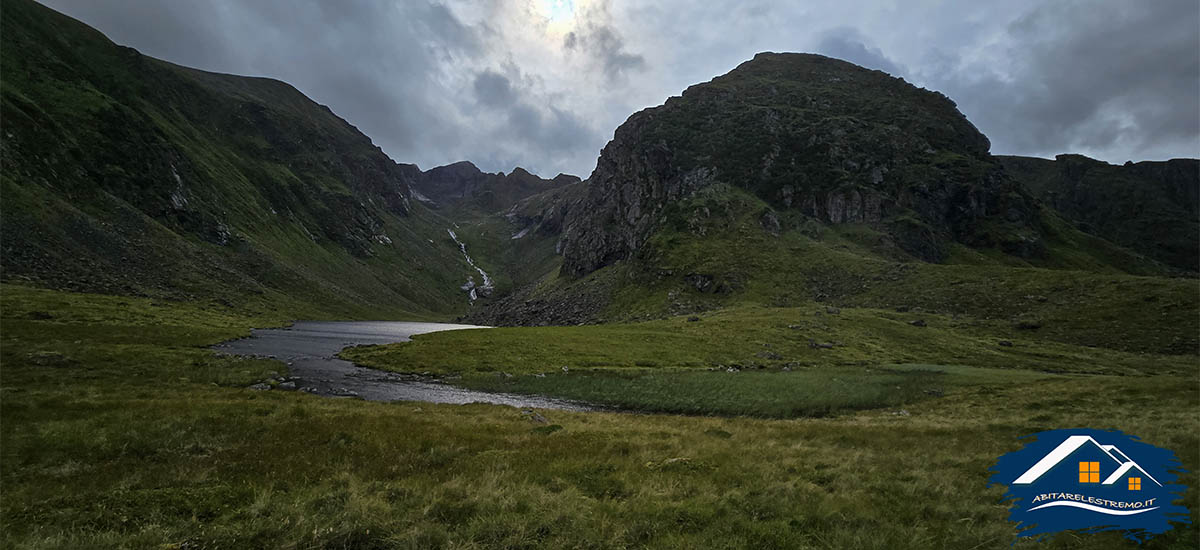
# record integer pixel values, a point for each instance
(543, 83)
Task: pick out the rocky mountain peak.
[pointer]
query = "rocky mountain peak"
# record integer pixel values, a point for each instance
(837, 142)
(565, 179)
(463, 185)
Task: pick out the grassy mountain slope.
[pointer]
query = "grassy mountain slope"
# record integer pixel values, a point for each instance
(729, 260)
(520, 245)
(1150, 207)
(686, 213)
(126, 174)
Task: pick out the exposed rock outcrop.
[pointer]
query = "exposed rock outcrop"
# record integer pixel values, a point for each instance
(837, 142)
(1150, 207)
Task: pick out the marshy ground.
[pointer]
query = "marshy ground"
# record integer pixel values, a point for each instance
(121, 428)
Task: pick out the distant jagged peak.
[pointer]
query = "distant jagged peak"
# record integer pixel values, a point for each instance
(464, 185)
(460, 169)
(566, 179)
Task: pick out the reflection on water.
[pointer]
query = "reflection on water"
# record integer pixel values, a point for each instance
(310, 348)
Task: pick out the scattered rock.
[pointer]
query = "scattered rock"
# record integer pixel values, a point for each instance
(900, 412)
(1028, 325)
(1005, 343)
(769, 355)
(677, 464)
(535, 417)
(770, 223)
(700, 281)
(833, 310)
(819, 345)
(566, 369)
(287, 386)
(48, 359)
(795, 327)
(261, 386)
(918, 323)
(934, 392)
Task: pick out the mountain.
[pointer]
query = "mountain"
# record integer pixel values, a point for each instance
(462, 186)
(125, 174)
(1150, 207)
(816, 136)
(796, 178)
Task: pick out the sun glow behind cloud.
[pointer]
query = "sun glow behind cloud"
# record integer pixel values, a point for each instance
(558, 14)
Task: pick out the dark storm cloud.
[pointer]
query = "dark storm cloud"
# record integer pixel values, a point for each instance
(559, 130)
(493, 89)
(399, 71)
(546, 129)
(161, 29)
(608, 49)
(498, 83)
(597, 39)
(849, 44)
(1106, 78)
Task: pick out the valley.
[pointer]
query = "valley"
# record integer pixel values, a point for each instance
(801, 305)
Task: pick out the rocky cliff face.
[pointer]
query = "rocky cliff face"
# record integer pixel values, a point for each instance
(836, 142)
(1150, 207)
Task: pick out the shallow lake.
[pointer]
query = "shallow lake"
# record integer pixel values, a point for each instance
(310, 349)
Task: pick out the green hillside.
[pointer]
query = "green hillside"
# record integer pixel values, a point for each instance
(1150, 207)
(798, 179)
(831, 306)
(128, 175)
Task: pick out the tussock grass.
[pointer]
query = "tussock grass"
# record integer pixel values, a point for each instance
(750, 337)
(158, 444)
(808, 392)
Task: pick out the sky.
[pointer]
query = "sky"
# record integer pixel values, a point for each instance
(542, 84)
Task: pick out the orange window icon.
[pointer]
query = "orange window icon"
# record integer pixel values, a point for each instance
(1135, 484)
(1089, 472)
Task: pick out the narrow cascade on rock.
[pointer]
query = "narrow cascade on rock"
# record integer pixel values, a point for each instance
(470, 287)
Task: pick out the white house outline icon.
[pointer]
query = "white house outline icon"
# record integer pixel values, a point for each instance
(1072, 444)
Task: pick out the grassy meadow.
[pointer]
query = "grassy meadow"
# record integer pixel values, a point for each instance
(120, 429)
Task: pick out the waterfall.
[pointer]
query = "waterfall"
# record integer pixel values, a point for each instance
(470, 284)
